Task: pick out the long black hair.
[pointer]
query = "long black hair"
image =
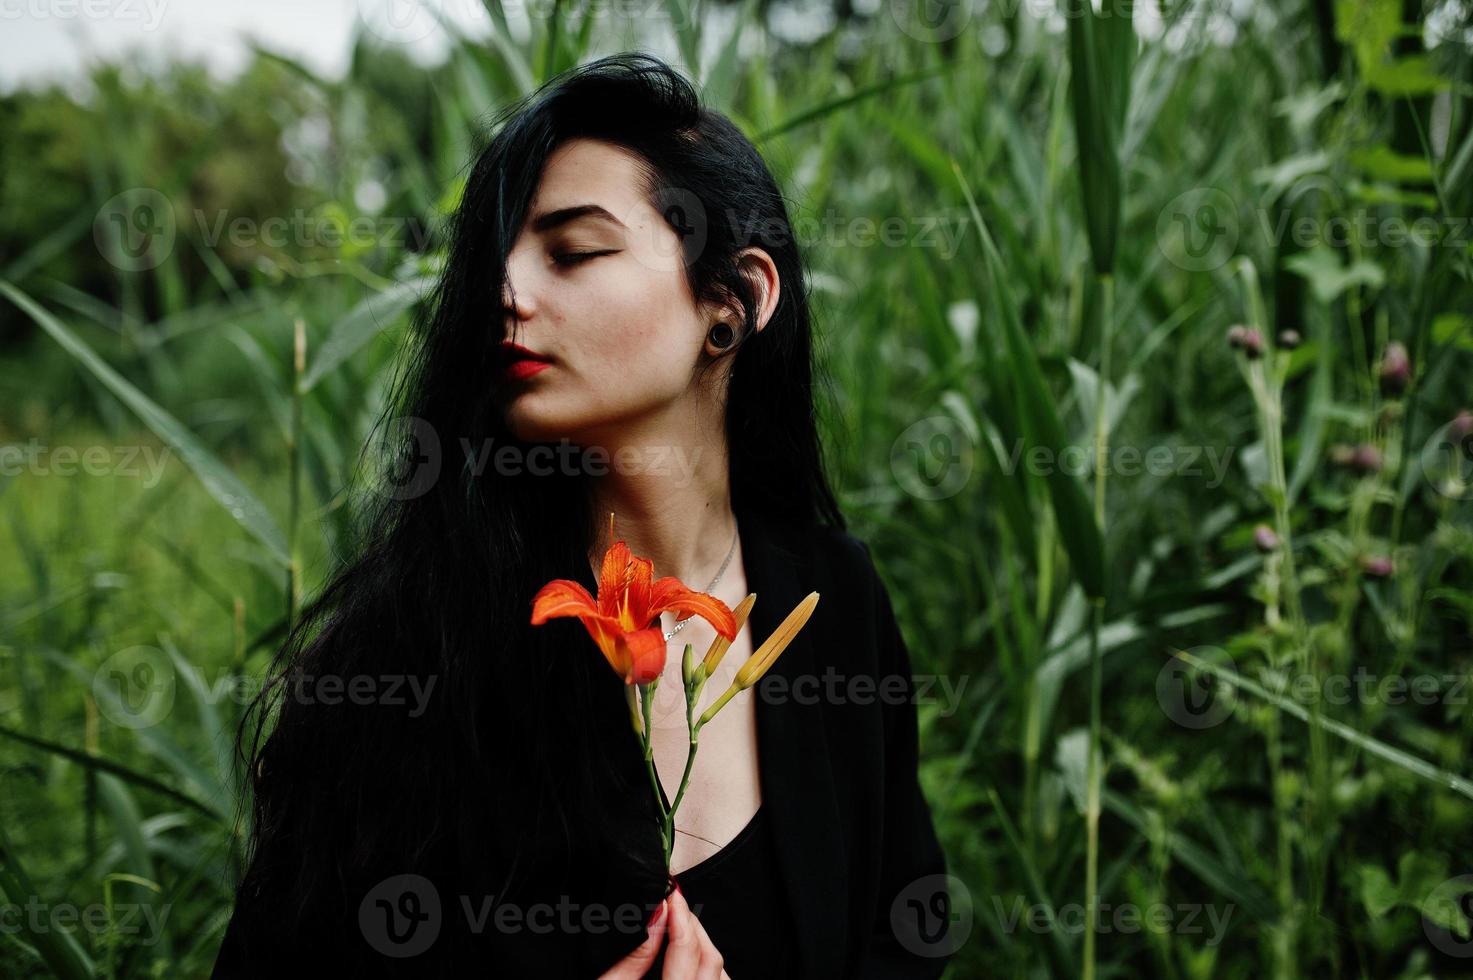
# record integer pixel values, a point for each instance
(500, 779)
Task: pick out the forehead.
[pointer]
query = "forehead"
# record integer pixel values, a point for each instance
(589, 171)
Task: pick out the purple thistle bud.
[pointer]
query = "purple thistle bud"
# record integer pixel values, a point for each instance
(1367, 458)
(1264, 539)
(1377, 566)
(1462, 425)
(1396, 368)
(1235, 335)
(1289, 339)
(1252, 343)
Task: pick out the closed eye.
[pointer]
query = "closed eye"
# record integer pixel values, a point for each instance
(577, 258)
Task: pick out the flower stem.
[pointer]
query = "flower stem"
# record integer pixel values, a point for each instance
(692, 693)
(647, 694)
(1095, 764)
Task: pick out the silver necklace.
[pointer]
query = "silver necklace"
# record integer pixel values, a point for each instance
(670, 634)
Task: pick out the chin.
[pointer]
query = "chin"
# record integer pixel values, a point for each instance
(530, 422)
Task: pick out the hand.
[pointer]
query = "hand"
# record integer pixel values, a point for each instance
(690, 955)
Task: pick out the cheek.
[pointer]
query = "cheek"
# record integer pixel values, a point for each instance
(630, 338)
(636, 329)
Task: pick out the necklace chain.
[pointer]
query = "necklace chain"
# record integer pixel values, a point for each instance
(670, 634)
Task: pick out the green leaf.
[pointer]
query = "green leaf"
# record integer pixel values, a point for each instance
(221, 483)
(361, 324)
(106, 765)
(832, 106)
(1328, 278)
(1384, 163)
(1443, 906)
(58, 948)
(1102, 49)
(1077, 528)
(1453, 328)
(1402, 760)
(1377, 891)
(1194, 857)
(1280, 176)
(1406, 77)
(1071, 756)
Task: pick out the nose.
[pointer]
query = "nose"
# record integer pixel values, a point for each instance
(516, 298)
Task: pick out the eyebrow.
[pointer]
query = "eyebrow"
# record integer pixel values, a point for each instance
(562, 216)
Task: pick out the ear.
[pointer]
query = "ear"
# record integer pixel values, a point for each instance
(754, 263)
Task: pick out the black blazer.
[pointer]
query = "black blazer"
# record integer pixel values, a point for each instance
(837, 742)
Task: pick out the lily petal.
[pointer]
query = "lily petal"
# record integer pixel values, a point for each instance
(561, 597)
(645, 652)
(606, 633)
(613, 578)
(637, 598)
(670, 593)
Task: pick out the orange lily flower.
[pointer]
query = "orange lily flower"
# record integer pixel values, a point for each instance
(629, 599)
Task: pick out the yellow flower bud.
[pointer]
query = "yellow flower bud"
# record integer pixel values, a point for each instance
(766, 655)
(721, 644)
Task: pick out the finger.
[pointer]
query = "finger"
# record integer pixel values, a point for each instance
(683, 953)
(711, 959)
(634, 966)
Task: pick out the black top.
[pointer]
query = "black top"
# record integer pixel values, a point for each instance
(737, 893)
(851, 835)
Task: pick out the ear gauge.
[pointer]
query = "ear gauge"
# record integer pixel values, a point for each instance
(721, 335)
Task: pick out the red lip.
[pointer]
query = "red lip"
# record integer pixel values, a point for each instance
(521, 362)
(519, 370)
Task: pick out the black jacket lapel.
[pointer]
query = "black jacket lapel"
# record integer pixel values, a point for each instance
(797, 780)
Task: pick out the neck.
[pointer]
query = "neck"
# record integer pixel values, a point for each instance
(671, 499)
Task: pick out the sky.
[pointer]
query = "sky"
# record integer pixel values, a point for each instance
(44, 40)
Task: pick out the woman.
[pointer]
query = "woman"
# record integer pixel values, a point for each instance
(621, 327)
